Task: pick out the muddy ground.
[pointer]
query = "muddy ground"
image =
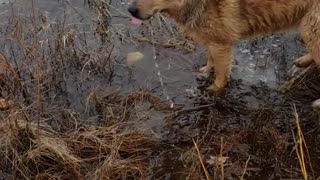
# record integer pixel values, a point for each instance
(63, 70)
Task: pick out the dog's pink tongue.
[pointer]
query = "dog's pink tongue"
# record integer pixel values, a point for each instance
(135, 21)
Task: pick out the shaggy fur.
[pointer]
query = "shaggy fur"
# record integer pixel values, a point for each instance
(219, 24)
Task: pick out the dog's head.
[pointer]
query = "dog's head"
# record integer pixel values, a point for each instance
(145, 9)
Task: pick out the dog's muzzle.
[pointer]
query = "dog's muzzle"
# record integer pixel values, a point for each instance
(133, 10)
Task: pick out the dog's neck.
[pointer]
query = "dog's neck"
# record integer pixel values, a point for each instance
(188, 13)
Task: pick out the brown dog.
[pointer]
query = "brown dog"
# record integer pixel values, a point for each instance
(218, 24)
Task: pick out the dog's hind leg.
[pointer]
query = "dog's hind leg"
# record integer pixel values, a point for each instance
(223, 56)
(310, 32)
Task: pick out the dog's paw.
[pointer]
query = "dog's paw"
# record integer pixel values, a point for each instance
(214, 90)
(303, 61)
(316, 104)
(206, 69)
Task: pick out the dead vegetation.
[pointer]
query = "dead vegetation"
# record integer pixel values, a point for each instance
(42, 137)
(32, 152)
(276, 142)
(62, 117)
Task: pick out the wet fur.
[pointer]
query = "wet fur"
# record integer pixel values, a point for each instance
(219, 24)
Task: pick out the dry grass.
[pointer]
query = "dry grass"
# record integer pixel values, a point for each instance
(41, 137)
(30, 152)
(302, 149)
(201, 161)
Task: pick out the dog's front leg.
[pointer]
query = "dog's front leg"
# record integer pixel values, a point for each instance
(223, 55)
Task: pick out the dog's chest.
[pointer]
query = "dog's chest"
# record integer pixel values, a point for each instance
(207, 35)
